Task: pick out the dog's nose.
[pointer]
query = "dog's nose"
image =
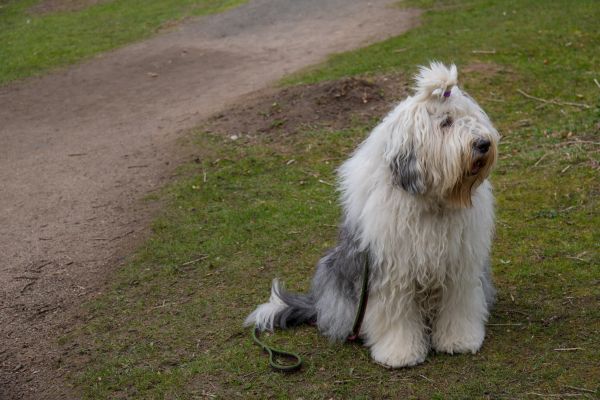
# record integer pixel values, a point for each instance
(482, 145)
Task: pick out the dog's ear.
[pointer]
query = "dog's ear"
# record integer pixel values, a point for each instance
(406, 173)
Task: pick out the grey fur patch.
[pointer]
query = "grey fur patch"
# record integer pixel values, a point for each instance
(488, 285)
(406, 174)
(300, 309)
(333, 299)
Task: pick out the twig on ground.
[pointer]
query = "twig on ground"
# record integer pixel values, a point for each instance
(580, 389)
(427, 379)
(555, 102)
(114, 238)
(597, 83)
(576, 258)
(503, 223)
(163, 305)
(555, 394)
(203, 257)
(569, 349)
(483, 51)
(567, 209)
(511, 311)
(27, 286)
(496, 100)
(540, 160)
(26, 277)
(507, 324)
(138, 166)
(565, 169)
(123, 235)
(578, 142)
(325, 182)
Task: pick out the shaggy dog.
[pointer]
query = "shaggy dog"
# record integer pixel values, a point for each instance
(418, 207)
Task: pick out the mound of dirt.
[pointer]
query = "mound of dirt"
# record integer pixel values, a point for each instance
(333, 104)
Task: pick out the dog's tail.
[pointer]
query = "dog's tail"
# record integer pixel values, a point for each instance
(283, 310)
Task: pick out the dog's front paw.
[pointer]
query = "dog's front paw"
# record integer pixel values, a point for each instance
(395, 353)
(397, 358)
(467, 338)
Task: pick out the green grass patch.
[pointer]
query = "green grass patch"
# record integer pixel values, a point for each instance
(32, 43)
(246, 213)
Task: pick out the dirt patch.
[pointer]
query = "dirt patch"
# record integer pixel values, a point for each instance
(335, 104)
(50, 6)
(485, 69)
(82, 145)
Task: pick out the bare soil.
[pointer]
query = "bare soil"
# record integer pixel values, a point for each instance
(81, 147)
(335, 104)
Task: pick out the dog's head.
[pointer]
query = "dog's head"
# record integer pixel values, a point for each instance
(441, 143)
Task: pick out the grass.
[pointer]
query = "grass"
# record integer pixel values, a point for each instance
(170, 328)
(32, 43)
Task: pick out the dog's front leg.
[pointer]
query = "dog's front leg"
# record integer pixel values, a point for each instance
(460, 324)
(394, 331)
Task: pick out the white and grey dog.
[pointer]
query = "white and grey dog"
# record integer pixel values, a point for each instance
(416, 202)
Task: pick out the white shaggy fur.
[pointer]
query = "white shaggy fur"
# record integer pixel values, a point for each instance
(417, 203)
(264, 314)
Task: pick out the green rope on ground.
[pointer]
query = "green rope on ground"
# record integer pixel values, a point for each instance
(275, 356)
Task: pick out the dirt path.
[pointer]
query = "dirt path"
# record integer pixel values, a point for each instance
(81, 146)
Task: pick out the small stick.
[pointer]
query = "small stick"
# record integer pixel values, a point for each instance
(565, 169)
(515, 312)
(569, 349)
(576, 258)
(326, 183)
(27, 286)
(567, 209)
(540, 160)
(516, 324)
(555, 102)
(597, 83)
(578, 142)
(496, 100)
(483, 51)
(555, 395)
(204, 257)
(580, 389)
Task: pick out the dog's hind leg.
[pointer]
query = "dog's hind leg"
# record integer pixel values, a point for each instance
(332, 301)
(337, 285)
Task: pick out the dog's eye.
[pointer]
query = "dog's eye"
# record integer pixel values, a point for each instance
(447, 122)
